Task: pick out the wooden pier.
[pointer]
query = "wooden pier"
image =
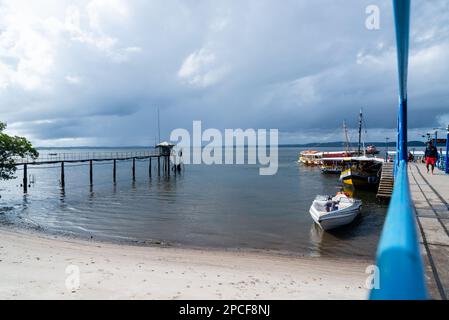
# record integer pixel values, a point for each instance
(430, 194)
(90, 158)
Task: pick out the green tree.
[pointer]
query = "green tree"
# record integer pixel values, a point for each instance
(10, 148)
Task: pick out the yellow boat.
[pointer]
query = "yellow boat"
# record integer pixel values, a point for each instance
(364, 173)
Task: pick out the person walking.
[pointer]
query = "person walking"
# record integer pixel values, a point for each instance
(431, 156)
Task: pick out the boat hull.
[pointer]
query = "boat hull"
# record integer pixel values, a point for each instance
(359, 179)
(346, 177)
(330, 171)
(338, 219)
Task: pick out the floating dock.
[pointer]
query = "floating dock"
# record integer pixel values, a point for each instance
(430, 194)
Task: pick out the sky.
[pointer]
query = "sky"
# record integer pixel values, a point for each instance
(94, 72)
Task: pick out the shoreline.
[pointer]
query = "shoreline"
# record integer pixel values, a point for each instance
(34, 265)
(159, 243)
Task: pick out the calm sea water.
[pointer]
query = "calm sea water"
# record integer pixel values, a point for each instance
(206, 206)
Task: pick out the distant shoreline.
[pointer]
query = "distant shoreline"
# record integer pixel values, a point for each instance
(307, 145)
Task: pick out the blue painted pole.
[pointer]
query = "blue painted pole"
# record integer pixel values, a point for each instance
(446, 167)
(402, 131)
(402, 25)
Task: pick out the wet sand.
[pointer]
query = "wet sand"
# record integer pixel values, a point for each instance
(36, 266)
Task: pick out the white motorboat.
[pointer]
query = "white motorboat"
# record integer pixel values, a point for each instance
(333, 212)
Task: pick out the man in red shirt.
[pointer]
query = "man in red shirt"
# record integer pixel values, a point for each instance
(431, 156)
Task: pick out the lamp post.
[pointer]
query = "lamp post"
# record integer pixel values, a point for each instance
(439, 161)
(427, 136)
(446, 162)
(386, 148)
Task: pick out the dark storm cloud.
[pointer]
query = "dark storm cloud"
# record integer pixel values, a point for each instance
(95, 71)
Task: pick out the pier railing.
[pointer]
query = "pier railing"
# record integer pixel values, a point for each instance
(85, 156)
(400, 269)
(399, 261)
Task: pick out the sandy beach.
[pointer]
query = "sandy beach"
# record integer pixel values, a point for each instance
(38, 266)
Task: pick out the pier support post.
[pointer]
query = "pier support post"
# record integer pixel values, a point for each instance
(149, 168)
(25, 178)
(167, 166)
(91, 174)
(134, 169)
(114, 172)
(62, 175)
(159, 166)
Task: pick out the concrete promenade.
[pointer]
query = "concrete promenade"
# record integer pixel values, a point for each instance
(430, 195)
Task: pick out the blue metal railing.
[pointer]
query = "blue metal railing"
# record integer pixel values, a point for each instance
(399, 261)
(401, 272)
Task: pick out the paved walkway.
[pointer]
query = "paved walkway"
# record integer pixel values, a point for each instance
(430, 195)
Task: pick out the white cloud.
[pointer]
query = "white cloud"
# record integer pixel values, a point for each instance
(93, 36)
(73, 79)
(26, 50)
(100, 11)
(201, 69)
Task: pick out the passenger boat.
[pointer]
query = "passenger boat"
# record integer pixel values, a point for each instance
(310, 157)
(333, 212)
(334, 165)
(334, 162)
(363, 173)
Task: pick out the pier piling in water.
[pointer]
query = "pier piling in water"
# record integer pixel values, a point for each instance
(91, 174)
(114, 172)
(62, 175)
(134, 169)
(25, 179)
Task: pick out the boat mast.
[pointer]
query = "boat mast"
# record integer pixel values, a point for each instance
(345, 131)
(360, 132)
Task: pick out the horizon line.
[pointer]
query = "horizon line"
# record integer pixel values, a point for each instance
(309, 144)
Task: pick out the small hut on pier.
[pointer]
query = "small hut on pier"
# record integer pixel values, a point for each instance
(165, 148)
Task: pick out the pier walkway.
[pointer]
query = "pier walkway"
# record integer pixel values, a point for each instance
(52, 158)
(430, 195)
